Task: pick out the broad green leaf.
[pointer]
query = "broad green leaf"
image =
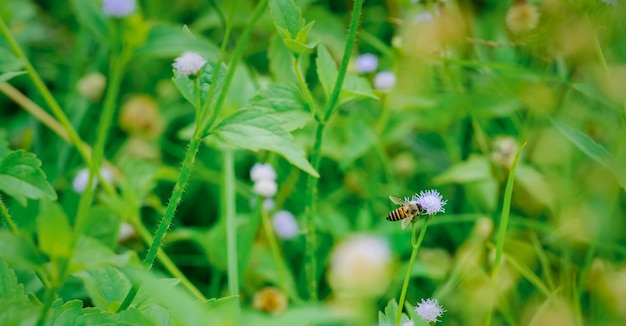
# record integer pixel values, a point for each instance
(186, 85)
(107, 287)
(252, 130)
(169, 41)
(9, 287)
(593, 150)
(18, 313)
(287, 17)
(90, 253)
(19, 250)
(102, 225)
(355, 88)
(281, 62)
(326, 70)
(53, 230)
(89, 14)
(68, 313)
(21, 177)
(8, 75)
(284, 103)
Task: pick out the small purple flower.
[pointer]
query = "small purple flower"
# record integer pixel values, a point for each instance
(366, 63)
(118, 8)
(430, 310)
(285, 225)
(431, 201)
(385, 80)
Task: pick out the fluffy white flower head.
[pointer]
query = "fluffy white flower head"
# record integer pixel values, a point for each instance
(366, 63)
(431, 201)
(360, 266)
(408, 323)
(188, 63)
(430, 310)
(79, 184)
(262, 172)
(285, 225)
(265, 188)
(385, 80)
(118, 8)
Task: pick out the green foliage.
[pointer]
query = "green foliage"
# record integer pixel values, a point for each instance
(21, 177)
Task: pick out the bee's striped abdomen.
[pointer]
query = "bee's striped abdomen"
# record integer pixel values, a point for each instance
(396, 214)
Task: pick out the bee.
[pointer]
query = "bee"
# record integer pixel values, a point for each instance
(406, 213)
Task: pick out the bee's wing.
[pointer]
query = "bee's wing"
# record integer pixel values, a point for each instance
(396, 200)
(407, 221)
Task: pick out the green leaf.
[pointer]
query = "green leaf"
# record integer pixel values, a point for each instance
(169, 41)
(107, 287)
(287, 17)
(9, 287)
(252, 130)
(21, 177)
(9, 63)
(54, 230)
(355, 88)
(103, 225)
(593, 150)
(68, 313)
(90, 253)
(326, 70)
(19, 250)
(280, 61)
(8, 75)
(284, 103)
(187, 86)
(89, 14)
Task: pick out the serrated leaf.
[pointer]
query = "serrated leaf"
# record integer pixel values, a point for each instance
(8, 75)
(252, 130)
(106, 286)
(284, 103)
(21, 177)
(593, 150)
(19, 250)
(303, 34)
(9, 287)
(286, 16)
(326, 70)
(67, 313)
(186, 85)
(89, 14)
(169, 41)
(54, 231)
(280, 61)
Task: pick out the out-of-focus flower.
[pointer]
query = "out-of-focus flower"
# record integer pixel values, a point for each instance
(188, 63)
(504, 149)
(270, 299)
(79, 184)
(262, 172)
(140, 116)
(522, 17)
(610, 2)
(127, 231)
(268, 204)
(360, 266)
(265, 188)
(366, 63)
(385, 80)
(118, 8)
(423, 17)
(431, 201)
(285, 225)
(408, 323)
(429, 310)
(92, 86)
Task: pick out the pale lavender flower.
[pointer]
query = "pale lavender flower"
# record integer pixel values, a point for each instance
(429, 310)
(188, 63)
(262, 172)
(408, 323)
(366, 63)
(285, 225)
(265, 188)
(79, 184)
(385, 80)
(431, 201)
(118, 8)
(268, 204)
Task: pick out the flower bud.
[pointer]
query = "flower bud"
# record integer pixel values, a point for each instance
(140, 116)
(92, 86)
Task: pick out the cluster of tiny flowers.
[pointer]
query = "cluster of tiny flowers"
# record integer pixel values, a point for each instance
(431, 201)
(264, 178)
(188, 63)
(285, 225)
(366, 63)
(429, 310)
(118, 8)
(79, 184)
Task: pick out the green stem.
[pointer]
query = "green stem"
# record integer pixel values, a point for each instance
(312, 182)
(49, 298)
(229, 211)
(409, 269)
(308, 97)
(7, 217)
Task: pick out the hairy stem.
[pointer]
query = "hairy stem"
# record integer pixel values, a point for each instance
(409, 268)
(7, 217)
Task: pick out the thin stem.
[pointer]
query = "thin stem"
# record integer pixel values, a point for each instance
(229, 211)
(308, 97)
(7, 217)
(49, 298)
(409, 269)
(312, 182)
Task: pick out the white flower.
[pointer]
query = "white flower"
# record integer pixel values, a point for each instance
(118, 8)
(265, 188)
(429, 310)
(79, 184)
(360, 266)
(262, 172)
(384, 80)
(408, 323)
(188, 63)
(285, 225)
(431, 201)
(127, 231)
(366, 63)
